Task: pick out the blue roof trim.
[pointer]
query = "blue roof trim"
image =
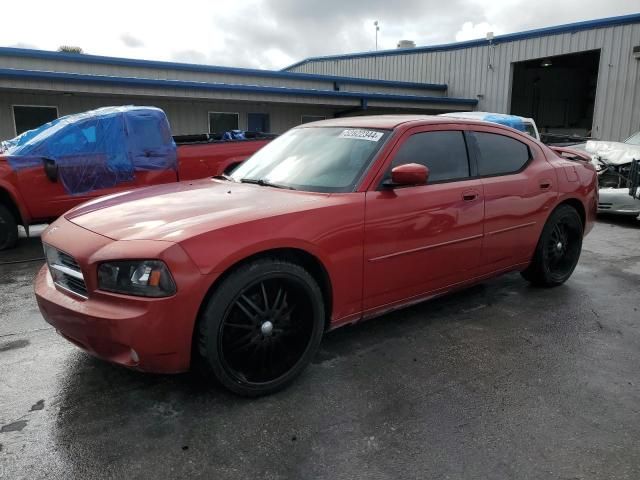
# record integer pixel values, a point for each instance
(510, 37)
(151, 82)
(130, 62)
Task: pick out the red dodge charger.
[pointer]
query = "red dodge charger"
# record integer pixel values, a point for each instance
(333, 222)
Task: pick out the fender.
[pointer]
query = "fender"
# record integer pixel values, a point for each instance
(16, 198)
(273, 244)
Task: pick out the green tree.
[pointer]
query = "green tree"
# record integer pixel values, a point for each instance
(70, 49)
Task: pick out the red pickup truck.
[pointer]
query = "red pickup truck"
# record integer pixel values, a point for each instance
(36, 188)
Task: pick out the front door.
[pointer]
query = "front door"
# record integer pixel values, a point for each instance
(423, 238)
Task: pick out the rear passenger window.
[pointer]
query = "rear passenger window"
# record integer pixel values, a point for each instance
(499, 154)
(444, 153)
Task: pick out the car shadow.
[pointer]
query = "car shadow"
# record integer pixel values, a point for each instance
(109, 417)
(630, 221)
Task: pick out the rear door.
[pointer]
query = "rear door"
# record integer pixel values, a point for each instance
(519, 189)
(422, 238)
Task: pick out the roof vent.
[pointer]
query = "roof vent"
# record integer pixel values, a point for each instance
(406, 44)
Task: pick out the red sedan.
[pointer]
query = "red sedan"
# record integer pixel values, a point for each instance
(333, 222)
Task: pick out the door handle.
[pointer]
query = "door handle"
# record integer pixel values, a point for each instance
(470, 195)
(545, 184)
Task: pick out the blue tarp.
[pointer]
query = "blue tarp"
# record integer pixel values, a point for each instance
(97, 149)
(508, 120)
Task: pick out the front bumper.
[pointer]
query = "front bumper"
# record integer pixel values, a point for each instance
(149, 334)
(618, 201)
(133, 333)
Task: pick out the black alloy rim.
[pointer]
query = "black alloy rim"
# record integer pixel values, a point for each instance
(561, 248)
(266, 329)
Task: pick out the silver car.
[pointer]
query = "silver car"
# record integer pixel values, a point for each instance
(613, 163)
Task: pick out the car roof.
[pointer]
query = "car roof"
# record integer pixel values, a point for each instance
(389, 122)
(482, 115)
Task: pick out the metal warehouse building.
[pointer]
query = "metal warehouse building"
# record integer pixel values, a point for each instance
(581, 78)
(37, 86)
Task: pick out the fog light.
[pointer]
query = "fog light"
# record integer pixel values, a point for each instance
(134, 356)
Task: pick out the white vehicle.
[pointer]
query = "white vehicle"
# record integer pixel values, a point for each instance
(613, 164)
(519, 123)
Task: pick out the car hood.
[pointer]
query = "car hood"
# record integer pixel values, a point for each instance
(613, 153)
(181, 210)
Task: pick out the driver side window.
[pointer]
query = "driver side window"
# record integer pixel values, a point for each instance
(444, 153)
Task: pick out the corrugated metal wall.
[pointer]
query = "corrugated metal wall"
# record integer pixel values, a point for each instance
(617, 106)
(186, 116)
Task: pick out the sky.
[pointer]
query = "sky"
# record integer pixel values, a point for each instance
(272, 34)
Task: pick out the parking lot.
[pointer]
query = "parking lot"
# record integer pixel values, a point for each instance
(502, 380)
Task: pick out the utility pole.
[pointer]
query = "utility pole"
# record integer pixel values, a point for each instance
(377, 30)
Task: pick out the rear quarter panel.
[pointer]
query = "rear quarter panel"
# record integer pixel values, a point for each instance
(577, 180)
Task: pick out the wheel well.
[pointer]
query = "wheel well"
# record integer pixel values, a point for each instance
(7, 201)
(577, 204)
(300, 257)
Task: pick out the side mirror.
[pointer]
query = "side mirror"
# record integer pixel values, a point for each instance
(50, 169)
(409, 174)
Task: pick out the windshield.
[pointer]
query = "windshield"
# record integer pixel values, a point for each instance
(316, 159)
(633, 139)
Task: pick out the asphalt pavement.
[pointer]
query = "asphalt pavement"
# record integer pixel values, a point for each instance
(501, 381)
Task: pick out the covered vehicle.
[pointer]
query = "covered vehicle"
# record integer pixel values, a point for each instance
(46, 171)
(524, 124)
(331, 223)
(612, 161)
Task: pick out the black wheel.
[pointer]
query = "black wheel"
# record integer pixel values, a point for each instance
(8, 229)
(558, 249)
(262, 326)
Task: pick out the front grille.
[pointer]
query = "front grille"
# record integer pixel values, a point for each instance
(68, 261)
(604, 206)
(65, 271)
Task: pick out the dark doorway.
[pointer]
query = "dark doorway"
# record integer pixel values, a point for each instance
(28, 117)
(558, 92)
(258, 122)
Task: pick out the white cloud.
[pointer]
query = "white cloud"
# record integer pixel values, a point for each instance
(469, 31)
(274, 33)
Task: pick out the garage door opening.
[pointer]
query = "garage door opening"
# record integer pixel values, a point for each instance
(559, 92)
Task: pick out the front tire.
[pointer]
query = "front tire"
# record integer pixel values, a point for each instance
(261, 327)
(8, 229)
(558, 249)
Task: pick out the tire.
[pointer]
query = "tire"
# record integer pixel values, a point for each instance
(8, 229)
(558, 249)
(261, 327)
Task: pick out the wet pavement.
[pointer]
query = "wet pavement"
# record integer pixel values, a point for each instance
(499, 381)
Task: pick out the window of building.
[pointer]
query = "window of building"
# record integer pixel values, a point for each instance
(258, 122)
(311, 118)
(28, 117)
(220, 122)
(499, 154)
(443, 152)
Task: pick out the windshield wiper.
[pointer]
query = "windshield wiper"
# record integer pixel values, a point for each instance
(264, 183)
(224, 176)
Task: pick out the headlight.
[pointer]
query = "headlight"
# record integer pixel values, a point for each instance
(144, 278)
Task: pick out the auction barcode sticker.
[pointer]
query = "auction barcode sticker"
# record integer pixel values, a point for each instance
(370, 135)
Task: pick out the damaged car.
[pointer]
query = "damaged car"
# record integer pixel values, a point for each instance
(612, 161)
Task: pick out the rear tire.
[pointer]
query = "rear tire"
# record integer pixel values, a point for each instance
(558, 249)
(261, 327)
(8, 229)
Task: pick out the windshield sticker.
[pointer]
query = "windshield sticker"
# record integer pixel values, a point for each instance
(370, 135)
